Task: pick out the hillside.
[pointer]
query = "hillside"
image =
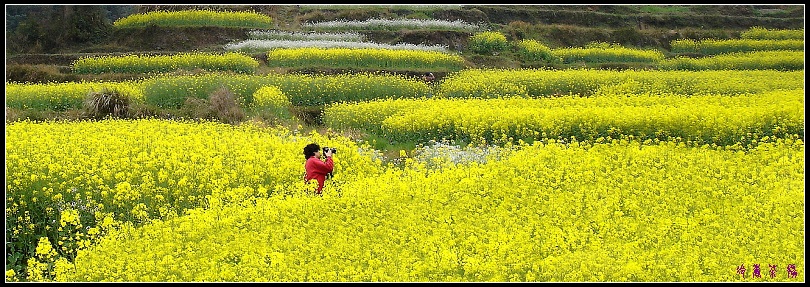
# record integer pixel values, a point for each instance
(643, 26)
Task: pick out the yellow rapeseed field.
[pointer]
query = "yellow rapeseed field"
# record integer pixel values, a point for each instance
(153, 200)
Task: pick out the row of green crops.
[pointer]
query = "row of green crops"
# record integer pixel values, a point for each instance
(171, 91)
(616, 211)
(705, 119)
(605, 53)
(418, 60)
(783, 60)
(366, 56)
(759, 33)
(197, 18)
(538, 83)
(64, 96)
(145, 64)
(70, 182)
(309, 90)
(302, 90)
(363, 56)
(532, 50)
(758, 60)
(714, 46)
(488, 42)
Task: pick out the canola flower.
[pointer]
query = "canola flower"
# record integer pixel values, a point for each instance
(488, 42)
(270, 100)
(270, 97)
(705, 119)
(533, 50)
(171, 91)
(364, 58)
(760, 33)
(64, 96)
(618, 211)
(757, 60)
(302, 90)
(606, 53)
(722, 46)
(230, 61)
(197, 18)
(73, 182)
(167, 91)
(613, 210)
(537, 83)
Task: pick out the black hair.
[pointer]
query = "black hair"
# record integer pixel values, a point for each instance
(310, 150)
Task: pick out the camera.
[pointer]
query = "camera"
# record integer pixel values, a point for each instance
(327, 149)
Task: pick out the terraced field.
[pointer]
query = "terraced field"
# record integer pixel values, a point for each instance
(170, 149)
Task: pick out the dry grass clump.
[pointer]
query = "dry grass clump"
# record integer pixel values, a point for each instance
(222, 105)
(106, 103)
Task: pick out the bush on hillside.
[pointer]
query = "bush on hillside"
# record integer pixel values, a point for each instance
(488, 43)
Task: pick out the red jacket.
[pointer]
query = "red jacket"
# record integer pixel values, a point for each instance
(318, 169)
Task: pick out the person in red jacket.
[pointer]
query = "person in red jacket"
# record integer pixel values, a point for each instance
(315, 167)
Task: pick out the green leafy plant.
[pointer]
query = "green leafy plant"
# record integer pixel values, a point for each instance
(488, 43)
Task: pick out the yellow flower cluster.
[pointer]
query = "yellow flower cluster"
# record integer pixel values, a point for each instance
(607, 53)
(782, 60)
(271, 100)
(385, 59)
(533, 50)
(488, 42)
(613, 211)
(73, 185)
(715, 46)
(197, 18)
(478, 83)
(137, 64)
(774, 34)
(704, 119)
(302, 90)
(170, 91)
(64, 96)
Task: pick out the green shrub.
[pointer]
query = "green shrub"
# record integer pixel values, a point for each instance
(531, 50)
(488, 43)
(269, 102)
